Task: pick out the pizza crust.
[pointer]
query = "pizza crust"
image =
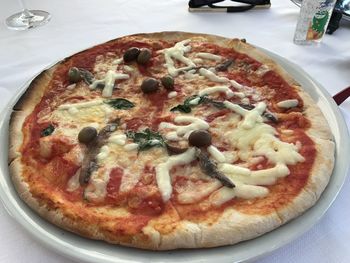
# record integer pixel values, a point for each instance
(232, 226)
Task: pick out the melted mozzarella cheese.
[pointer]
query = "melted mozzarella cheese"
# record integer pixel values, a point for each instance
(225, 194)
(286, 104)
(229, 93)
(73, 110)
(216, 154)
(163, 171)
(233, 169)
(108, 81)
(71, 86)
(194, 101)
(118, 139)
(198, 60)
(178, 52)
(252, 138)
(212, 76)
(191, 74)
(250, 117)
(73, 182)
(131, 146)
(117, 61)
(104, 151)
(262, 70)
(209, 56)
(236, 84)
(72, 117)
(128, 68)
(184, 130)
(194, 193)
(80, 105)
(172, 94)
(97, 187)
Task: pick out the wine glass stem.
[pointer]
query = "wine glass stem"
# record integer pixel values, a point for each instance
(22, 5)
(26, 13)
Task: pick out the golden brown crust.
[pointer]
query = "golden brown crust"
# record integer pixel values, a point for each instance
(23, 107)
(232, 226)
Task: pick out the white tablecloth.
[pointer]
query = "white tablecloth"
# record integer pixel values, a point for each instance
(79, 24)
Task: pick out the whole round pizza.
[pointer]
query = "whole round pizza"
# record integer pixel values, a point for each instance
(169, 140)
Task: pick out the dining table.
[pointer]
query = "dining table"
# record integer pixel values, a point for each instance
(76, 25)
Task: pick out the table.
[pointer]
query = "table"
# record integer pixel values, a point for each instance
(79, 24)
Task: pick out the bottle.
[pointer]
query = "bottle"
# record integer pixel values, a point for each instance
(313, 21)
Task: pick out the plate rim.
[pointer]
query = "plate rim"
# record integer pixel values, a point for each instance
(16, 207)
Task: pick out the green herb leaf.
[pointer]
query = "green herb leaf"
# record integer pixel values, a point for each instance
(182, 108)
(186, 107)
(120, 104)
(47, 131)
(146, 139)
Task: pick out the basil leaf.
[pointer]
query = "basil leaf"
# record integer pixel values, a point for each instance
(120, 104)
(87, 76)
(146, 139)
(47, 131)
(182, 108)
(186, 107)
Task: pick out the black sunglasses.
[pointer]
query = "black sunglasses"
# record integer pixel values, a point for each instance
(200, 5)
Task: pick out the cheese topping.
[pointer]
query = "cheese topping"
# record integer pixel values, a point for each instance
(192, 193)
(286, 104)
(216, 154)
(229, 93)
(184, 130)
(71, 86)
(233, 169)
(117, 61)
(194, 101)
(73, 183)
(191, 74)
(212, 76)
(97, 188)
(131, 146)
(103, 153)
(80, 105)
(108, 81)
(172, 94)
(209, 56)
(236, 84)
(253, 140)
(163, 171)
(119, 139)
(177, 52)
(225, 194)
(128, 68)
(198, 60)
(73, 110)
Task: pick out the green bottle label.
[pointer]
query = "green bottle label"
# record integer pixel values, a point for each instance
(319, 21)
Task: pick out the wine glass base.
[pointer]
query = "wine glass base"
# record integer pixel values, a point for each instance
(28, 19)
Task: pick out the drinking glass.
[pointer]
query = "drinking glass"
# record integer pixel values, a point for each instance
(27, 18)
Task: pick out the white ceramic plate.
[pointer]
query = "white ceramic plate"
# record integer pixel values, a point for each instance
(82, 249)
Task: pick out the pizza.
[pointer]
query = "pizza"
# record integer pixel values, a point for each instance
(169, 140)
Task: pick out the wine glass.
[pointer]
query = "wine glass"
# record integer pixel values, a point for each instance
(27, 18)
